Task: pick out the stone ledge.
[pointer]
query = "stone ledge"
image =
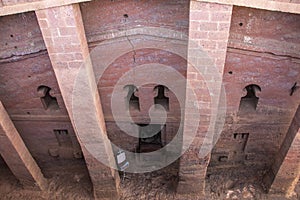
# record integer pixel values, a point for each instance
(38, 5)
(261, 4)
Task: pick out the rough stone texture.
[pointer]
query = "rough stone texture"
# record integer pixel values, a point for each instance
(13, 2)
(22, 71)
(268, 124)
(163, 14)
(136, 45)
(17, 156)
(10, 7)
(208, 36)
(287, 1)
(124, 64)
(22, 78)
(290, 6)
(265, 32)
(64, 36)
(258, 55)
(20, 36)
(286, 167)
(73, 184)
(262, 49)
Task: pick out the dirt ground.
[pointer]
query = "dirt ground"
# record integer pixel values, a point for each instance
(74, 184)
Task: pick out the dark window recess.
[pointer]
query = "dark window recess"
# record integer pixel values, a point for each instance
(161, 99)
(132, 101)
(241, 141)
(223, 158)
(150, 137)
(250, 101)
(49, 102)
(235, 135)
(63, 138)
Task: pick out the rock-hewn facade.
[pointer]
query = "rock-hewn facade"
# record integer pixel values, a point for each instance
(71, 72)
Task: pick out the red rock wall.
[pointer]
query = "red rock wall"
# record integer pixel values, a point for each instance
(284, 173)
(13, 2)
(288, 1)
(124, 64)
(20, 35)
(263, 50)
(107, 16)
(24, 66)
(112, 17)
(208, 37)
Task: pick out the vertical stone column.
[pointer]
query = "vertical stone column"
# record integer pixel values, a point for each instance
(17, 156)
(208, 38)
(64, 36)
(285, 172)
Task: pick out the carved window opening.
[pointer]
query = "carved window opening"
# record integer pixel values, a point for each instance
(241, 141)
(223, 158)
(150, 138)
(49, 102)
(250, 101)
(161, 99)
(63, 138)
(67, 148)
(132, 101)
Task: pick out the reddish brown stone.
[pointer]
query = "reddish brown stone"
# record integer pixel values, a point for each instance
(17, 156)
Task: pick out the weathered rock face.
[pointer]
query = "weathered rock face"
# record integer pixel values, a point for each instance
(20, 36)
(104, 17)
(261, 78)
(127, 21)
(25, 67)
(262, 51)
